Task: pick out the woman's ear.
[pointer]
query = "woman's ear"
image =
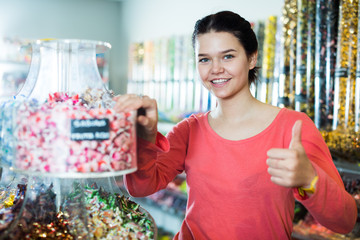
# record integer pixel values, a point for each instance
(253, 60)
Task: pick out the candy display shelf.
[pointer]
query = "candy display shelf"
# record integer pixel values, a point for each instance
(69, 209)
(310, 230)
(61, 136)
(347, 169)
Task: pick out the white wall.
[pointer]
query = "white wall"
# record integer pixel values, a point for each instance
(82, 19)
(150, 19)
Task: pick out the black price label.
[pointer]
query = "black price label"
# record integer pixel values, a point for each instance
(90, 129)
(341, 72)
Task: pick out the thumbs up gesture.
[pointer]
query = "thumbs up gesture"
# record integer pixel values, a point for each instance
(291, 167)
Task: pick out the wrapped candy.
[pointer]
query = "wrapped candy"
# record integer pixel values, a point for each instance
(71, 134)
(88, 212)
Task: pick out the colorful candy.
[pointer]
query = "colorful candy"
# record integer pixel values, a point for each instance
(88, 212)
(107, 216)
(345, 73)
(77, 134)
(268, 62)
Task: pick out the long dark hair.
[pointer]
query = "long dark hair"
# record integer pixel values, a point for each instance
(227, 21)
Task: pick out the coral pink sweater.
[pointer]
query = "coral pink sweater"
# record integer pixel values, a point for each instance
(230, 195)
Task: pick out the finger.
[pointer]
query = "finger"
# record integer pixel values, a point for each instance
(144, 121)
(276, 163)
(128, 102)
(147, 102)
(280, 181)
(275, 172)
(124, 97)
(296, 134)
(115, 98)
(281, 153)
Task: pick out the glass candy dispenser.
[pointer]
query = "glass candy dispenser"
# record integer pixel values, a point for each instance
(287, 62)
(327, 15)
(343, 138)
(268, 63)
(345, 72)
(62, 121)
(62, 132)
(301, 59)
(304, 84)
(59, 209)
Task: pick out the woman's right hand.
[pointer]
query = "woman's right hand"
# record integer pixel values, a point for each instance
(147, 121)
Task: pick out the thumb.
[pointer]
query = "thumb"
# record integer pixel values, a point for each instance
(296, 134)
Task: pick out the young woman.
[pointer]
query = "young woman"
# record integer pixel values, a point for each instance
(245, 161)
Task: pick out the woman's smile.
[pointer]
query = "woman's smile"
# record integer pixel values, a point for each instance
(220, 82)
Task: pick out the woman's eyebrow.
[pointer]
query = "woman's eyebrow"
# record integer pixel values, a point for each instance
(228, 50)
(222, 52)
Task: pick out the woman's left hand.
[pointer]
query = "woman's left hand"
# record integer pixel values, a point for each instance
(291, 167)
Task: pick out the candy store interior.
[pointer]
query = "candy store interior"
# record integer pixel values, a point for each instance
(64, 150)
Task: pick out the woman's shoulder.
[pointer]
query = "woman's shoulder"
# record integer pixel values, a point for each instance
(293, 115)
(196, 117)
(289, 117)
(192, 120)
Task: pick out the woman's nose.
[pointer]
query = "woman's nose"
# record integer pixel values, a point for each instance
(217, 67)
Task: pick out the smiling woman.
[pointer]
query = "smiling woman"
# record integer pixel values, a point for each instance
(246, 162)
(218, 65)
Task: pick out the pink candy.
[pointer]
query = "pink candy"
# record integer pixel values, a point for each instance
(44, 141)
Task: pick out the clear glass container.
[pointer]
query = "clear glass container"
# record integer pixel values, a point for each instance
(301, 56)
(61, 146)
(62, 122)
(345, 72)
(327, 16)
(343, 139)
(12, 196)
(286, 84)
(268, 62)
(14, 66)
(53, 208)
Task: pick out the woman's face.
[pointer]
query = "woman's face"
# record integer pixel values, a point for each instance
(222, 63)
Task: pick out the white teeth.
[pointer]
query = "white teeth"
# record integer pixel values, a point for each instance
(219, 80)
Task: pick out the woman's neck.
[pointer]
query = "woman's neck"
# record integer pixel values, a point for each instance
(235, 109)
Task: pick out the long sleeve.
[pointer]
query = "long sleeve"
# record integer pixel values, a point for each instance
(158, 163)
(330, 205)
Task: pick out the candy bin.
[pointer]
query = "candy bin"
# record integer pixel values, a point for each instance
(12, 196)
(343, 140)
(62, 122)
(54, 208)
(62, 132)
